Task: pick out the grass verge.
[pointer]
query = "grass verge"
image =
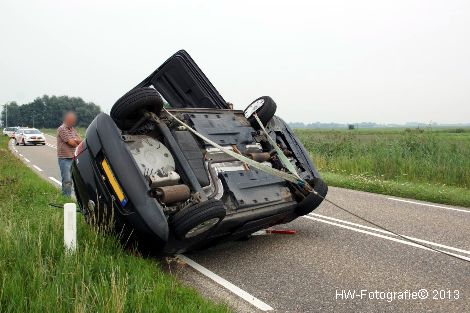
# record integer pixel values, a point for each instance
(420, 191)
(424, 164)
(53, 131)
(36, 275)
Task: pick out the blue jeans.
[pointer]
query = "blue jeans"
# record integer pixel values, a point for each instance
(65, 166)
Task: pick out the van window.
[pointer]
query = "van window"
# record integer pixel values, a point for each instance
(31, 131)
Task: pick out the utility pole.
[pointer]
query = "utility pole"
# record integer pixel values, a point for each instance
(6, 114)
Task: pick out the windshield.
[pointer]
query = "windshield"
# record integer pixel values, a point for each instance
(31, 131)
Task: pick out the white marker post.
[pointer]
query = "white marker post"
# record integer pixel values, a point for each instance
(70, 227)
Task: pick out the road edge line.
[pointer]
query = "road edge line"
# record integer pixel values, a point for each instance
(409, 243)
(392, 234)
(55, 180)
(428, 204)
(38, 168)
(226, 284)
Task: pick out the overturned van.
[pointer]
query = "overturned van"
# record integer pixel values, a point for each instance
(174, 167)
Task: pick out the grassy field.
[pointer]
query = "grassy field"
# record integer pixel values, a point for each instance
(52, 131)
(37, 276)
(427, 164)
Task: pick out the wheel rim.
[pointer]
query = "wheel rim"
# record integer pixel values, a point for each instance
(204, 226)
(252, 108)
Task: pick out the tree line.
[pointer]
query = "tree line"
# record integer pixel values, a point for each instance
(47, 112)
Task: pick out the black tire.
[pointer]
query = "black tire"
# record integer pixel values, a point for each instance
(187, 220)
(129, 108)
(265, 112)
(16, 143)
(312, 201)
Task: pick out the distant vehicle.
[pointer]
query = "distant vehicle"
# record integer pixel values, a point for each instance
(10, 131)
(28, 136)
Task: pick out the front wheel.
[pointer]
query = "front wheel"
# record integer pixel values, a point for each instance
(264, 107)
(198, 219)
(313, 200)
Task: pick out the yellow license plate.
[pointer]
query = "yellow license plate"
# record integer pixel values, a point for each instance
(113, 182)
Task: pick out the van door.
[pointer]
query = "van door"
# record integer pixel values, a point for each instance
(182, 83)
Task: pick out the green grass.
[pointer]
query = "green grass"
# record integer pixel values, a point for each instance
(432, 165)
(53, 131)
(36, 275)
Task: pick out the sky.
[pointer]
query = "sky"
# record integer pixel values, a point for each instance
(328, 61)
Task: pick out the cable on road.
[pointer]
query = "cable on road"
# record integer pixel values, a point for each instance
(388, 230)
(291, 169)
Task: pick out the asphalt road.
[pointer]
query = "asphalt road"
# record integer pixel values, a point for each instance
(332, 256)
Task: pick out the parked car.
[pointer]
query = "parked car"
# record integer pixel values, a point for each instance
(9, 131)
(29, 136)
(195, 174)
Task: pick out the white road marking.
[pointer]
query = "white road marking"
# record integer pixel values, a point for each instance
(409, 243)
(37, 167)
(26, 159)
(389, 233)
(51, 146)
(228, 285)
(20, 154)
(430, 205)
(55, 180)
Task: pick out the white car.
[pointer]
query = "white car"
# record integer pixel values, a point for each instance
(10, 131)
(31, 136)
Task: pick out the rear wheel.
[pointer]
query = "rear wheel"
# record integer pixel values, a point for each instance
(127, 111)
(16, 143)
(198, 219)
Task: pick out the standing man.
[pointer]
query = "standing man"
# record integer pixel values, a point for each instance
(67, 140)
